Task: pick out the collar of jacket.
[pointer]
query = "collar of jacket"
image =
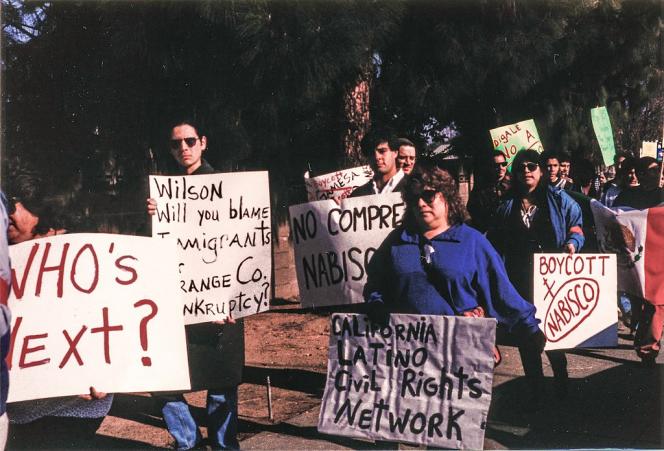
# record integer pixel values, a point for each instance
(414, 237)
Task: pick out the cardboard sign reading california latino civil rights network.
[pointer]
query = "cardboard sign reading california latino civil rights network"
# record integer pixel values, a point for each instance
(515, 137)
(221, 228)
(575, 297)
(421, 379)
(336, 185)
(334, 243)
(94, 310)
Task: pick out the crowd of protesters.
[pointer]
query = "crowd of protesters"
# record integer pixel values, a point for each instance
(445, 259)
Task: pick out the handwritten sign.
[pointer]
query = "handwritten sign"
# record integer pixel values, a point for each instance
(515, 137)
(334, 243)
(220, 225)
(94, 310)
(575, 297)
(336, 185)
(420, 379)
(604, 133)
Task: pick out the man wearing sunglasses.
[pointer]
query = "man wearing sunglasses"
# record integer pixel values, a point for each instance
(491, 183)
(215, 349)
(381, 150)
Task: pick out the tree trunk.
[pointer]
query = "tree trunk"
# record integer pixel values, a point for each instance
(357, 116)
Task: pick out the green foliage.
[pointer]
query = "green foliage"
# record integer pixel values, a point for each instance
(90, 83)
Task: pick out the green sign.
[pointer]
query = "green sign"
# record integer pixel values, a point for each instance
(602, 126)
(515, 137)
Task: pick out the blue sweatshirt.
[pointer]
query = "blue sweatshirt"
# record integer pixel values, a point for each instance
(464, 272)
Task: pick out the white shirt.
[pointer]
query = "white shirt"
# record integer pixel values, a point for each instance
(389, 186)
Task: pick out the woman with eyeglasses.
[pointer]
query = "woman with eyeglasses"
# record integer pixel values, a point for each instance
(536, 217)
(215, 349)
(434, 264)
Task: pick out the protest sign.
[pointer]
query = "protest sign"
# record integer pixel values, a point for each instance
(94, 310)
(336, 185)
(604, 133)
(515, 137)
(334, 243)
(575, 297)
(420, 379)
(648, 149)
(220, 225)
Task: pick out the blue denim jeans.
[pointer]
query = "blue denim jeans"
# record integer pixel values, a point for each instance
(221, 420)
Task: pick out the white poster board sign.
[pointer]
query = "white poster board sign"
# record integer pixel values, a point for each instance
(94, 310)
(575, 297)
(334, 243)
(220, 225)
(421, 379)
(336, 185)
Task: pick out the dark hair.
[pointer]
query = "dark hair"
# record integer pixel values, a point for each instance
(405, 142)
(431, 176)
(376, 136)
(184, 120)
(548, 155)
(564, 156)
(620, 154)
(27, 189)
(627, 165)
(498, 153)
(527, 156)
(584, 171)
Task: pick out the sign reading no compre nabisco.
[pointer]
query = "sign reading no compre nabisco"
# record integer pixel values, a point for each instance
(575, 297)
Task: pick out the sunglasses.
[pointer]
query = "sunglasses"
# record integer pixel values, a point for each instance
(530, 166)
(427, 195)
(11, 205)
(175, 143)
(502, 164)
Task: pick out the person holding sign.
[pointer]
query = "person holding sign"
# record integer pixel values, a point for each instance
(215, 349)
(381, 149)
(536, 217)
(434, 264)
(30, 219)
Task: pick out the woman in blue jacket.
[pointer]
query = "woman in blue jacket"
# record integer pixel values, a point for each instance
(435, 264)
(536, 217)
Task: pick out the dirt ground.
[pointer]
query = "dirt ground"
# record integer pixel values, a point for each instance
(288, 344)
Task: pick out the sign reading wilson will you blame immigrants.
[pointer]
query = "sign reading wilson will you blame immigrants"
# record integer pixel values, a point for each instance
(575, 297)
(334, 243)
(420, 379)
(94, 310)
(220, 225)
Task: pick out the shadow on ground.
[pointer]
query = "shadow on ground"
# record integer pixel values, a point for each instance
(620, 407)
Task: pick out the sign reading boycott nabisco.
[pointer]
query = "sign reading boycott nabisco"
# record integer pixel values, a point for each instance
(575, 296)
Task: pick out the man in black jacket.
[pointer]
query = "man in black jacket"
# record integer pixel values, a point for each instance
(215, 349)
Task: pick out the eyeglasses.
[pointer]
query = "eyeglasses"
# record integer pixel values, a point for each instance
(427, 195)
(530, 166)
(501, 164)
(190, 142)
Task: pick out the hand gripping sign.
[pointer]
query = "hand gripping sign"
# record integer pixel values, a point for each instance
(575, 297)
(220, 225)
(420, 379)
(94, 310)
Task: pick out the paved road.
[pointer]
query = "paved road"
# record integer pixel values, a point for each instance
(613, 402)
